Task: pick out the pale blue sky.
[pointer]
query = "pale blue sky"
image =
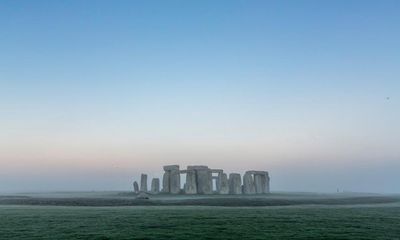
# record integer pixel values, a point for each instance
(94, 92)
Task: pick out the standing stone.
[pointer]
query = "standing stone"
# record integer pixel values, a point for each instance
(172, 179)
(223, 184)
(175, 181)
(217, 182)
(267, 190)
(235, 183)
(143, 183)
(203, 179)
(191, 185)
(135, 187)
(166, 182)
(259, 183)
(155, 185)
(248, 183)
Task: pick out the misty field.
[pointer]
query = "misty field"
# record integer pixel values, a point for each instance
(380, 221)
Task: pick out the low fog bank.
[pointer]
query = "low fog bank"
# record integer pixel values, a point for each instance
(375, 179)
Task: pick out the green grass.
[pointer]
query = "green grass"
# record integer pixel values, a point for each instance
(129, 199)
(166, 222)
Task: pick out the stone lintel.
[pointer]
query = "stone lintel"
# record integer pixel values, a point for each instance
(257, 172)
(198, 167)
(171, 167)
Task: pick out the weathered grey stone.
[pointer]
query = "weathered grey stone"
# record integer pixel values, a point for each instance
(190, 185)
(166, 182)
(218, 179)
(135, 187)
(197, 167)
(171, 167)
(255, 182)
(248, 183)
(223, 184)
(172, 179)
(217, 182)
(235, 183)
(266, 183)
(259, 182)
(143, 183)
(203, 179)
(199, 180)
(265, 180)
(155, 185)
(175, 182)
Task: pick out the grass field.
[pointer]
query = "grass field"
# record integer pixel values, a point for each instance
(351, 220)
(44, 222)
(128, 199)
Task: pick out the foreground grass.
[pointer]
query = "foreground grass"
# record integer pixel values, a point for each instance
(122, 199)
(41, 222)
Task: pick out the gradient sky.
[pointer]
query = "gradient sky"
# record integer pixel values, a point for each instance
(92, 93)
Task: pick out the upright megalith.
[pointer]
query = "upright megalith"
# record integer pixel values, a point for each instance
(155, 185)
(172, 179)
(165, 183)
(191, 182)
(135, 187)
(143, 183)
(256, 182)
(203, 179)
(223, 184)
(267, 179)
(235, 183)
(262, 184)
(259, 181)
(248, 183)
